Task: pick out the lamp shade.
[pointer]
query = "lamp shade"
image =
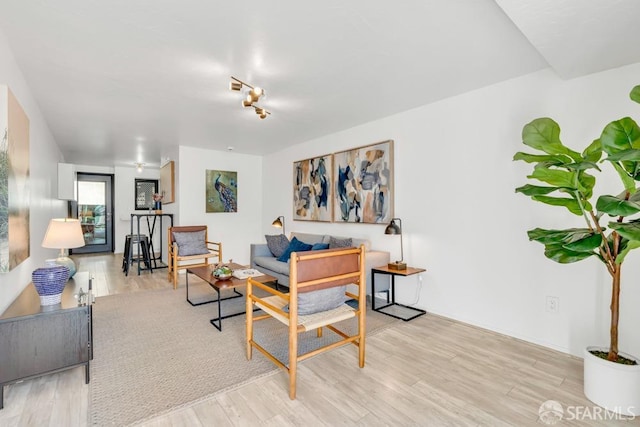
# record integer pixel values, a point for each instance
(393, 228)
(63, 233)
(279, 223)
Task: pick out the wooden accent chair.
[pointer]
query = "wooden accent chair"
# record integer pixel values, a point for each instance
(189, 247)
(312, 271)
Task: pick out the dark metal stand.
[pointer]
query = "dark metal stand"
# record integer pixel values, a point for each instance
(393, 274)
(151, 226)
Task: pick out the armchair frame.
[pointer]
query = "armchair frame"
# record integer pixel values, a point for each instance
(178, 262)
(311, 271)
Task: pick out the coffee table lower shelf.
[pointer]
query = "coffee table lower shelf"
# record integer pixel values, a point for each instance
(205, 273)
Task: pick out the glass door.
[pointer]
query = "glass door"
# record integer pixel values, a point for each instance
(94, 210)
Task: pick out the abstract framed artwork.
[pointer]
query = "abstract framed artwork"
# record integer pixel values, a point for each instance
(312, 189)
(221, 191)
(363, 184)
(14, 182)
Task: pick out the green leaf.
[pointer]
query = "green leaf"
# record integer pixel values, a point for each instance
(632, 244)
(629, 230)
(628, 181)
(562, 255)
(535, 158)
(544, 134)
(534, 190)
(555, 177)
(593, 152)
(620, 135)
(615, 206)
(635, 197)
(631, 154)
(587, 244)
(635, 94)
(560, 237)
(586, 183)
(571, 204)
(582, 166)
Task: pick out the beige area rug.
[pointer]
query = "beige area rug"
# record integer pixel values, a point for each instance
(154, 352)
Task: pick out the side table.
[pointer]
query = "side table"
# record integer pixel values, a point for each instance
(410, 271)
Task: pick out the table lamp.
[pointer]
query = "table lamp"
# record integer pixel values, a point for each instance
(279, 223)
(394, 228)
(64, 233)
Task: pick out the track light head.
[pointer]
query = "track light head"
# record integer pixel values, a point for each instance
(263, 115)
(235, 86)
(247, 103)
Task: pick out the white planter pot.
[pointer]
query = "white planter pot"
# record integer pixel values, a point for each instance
(613, 386)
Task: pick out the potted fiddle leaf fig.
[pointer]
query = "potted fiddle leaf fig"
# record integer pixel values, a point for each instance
(611, 229)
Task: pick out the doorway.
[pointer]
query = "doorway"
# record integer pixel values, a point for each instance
(94, 209)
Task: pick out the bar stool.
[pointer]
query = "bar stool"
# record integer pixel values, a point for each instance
(143, 252)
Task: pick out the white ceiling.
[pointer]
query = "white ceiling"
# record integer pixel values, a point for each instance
(121, 81)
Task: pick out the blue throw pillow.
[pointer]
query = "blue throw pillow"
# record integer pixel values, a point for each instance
(294, 246)
(319, 246)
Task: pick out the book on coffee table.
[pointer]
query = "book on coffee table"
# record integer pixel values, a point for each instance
(246, 273)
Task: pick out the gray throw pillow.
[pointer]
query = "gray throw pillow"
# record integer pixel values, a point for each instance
(191, 243)
(340, 243)
(322, 300)
(277, 244)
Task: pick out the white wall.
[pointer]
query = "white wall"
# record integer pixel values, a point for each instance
(463, 222)
(237, 230)
(44, 158)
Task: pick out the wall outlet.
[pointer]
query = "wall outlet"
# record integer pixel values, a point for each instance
(552, 304)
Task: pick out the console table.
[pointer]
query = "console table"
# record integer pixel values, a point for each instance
(415, 312)
(36, 340)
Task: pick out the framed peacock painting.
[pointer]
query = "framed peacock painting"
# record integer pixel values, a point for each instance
(221, 191)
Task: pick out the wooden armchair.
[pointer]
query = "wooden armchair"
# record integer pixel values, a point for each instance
(312, 274)
(189, 247)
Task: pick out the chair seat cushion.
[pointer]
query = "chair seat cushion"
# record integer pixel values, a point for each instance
(191, 243)
(322, 300)
(308, 322)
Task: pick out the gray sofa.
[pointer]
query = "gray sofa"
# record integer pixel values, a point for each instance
(263, 261)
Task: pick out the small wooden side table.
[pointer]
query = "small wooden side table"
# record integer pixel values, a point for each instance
(410, 271)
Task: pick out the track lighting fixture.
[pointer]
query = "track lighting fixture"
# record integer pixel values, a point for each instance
(253, 95)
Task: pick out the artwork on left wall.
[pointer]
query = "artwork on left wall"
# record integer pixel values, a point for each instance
(14, 182)
(221, 191)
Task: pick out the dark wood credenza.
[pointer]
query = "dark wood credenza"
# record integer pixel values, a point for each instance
(37, 340)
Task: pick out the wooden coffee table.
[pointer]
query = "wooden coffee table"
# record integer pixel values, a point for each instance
(206, 274)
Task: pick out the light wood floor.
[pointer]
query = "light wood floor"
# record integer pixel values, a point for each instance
(430, 371)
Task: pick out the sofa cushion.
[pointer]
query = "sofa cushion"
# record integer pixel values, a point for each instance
(340, 243)
(277, 244)
(191, 243)
(272, 264)
(319, 246)
(294, 246)
(322, 300)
